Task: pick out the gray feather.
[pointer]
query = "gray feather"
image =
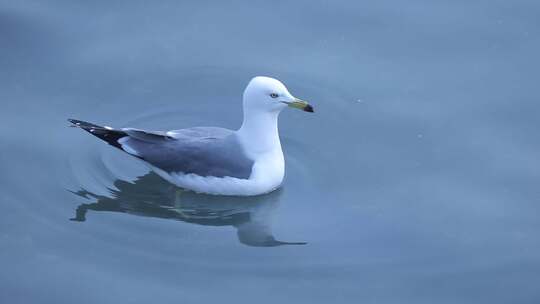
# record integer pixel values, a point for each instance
(148, 136)
(205, 151)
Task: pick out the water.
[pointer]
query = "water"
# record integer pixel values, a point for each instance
(416, 180)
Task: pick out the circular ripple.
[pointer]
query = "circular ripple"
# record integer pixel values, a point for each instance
(112, 181)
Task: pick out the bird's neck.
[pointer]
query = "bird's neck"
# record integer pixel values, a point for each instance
(259, 131)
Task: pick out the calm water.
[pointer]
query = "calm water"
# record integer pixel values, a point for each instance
(416, 180)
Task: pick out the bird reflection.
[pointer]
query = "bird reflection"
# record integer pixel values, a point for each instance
(150, 196)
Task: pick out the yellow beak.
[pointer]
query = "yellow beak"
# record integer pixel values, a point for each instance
(300, 104)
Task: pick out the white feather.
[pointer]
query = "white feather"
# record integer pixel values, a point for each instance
(125, 146)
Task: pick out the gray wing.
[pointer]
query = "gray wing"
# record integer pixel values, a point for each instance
(204, 151)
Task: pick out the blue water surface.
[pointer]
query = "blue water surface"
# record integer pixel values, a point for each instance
(415, 181)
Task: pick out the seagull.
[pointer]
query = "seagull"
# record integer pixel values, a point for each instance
(212, 160)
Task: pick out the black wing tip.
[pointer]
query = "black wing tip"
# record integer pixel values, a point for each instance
(80, 123)
(85, 124)
(75, 121)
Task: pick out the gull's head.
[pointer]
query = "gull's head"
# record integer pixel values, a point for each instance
(270, 95)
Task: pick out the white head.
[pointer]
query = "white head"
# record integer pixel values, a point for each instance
(265, 94)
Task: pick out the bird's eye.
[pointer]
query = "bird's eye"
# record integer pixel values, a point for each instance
(274, 95)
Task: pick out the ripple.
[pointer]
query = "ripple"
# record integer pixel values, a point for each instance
(111, 181)
(115, 182)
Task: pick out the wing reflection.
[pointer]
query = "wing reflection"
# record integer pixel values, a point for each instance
(151, 196)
